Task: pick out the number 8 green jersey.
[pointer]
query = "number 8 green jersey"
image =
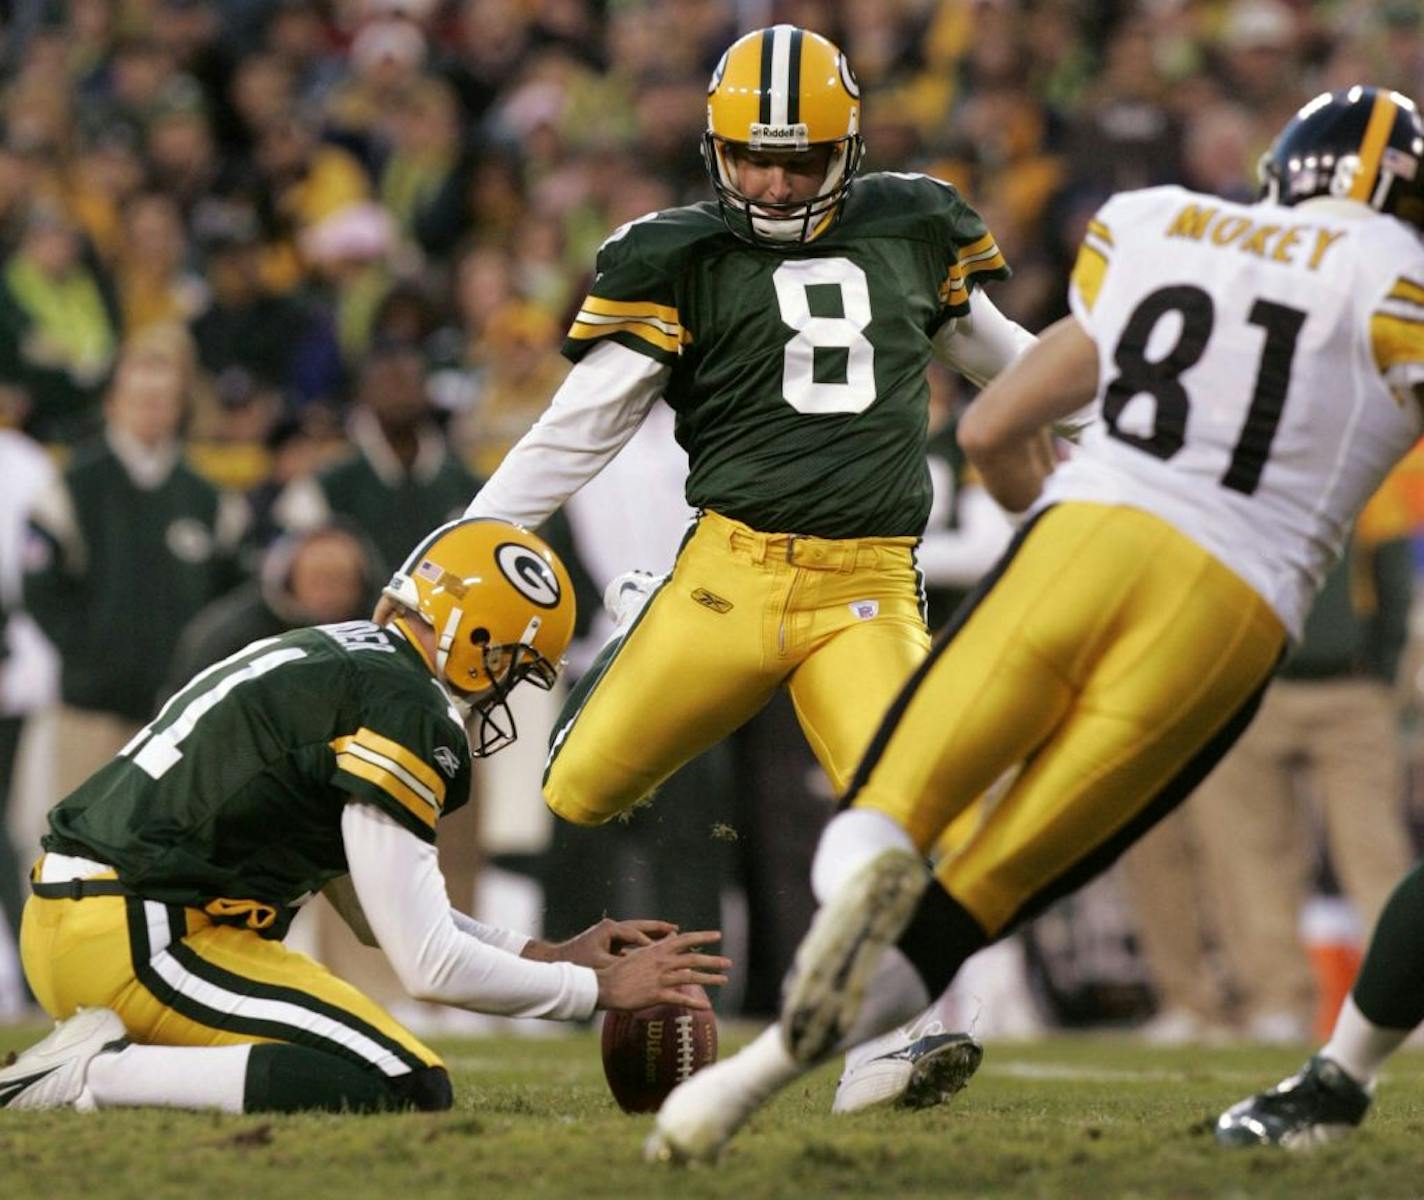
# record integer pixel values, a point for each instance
(798, 375)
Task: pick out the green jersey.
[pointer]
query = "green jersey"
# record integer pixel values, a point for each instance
(231, 798)
(798, 374)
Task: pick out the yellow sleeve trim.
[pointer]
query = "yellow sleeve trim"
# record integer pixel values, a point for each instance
(656, 324)
(1100, 230)
(1088, 274)
(390, 784)
(407, 777)
(410, 761)
(649, 333)
(1407, 289)
(639, 309)
(954, 290)
(979, 245)
(1396, 341)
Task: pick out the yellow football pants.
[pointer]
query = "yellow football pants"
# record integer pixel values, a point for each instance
(176, 979)
(838, 622)
(1110, 655)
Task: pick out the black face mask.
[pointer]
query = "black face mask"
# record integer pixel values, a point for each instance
(490, 724)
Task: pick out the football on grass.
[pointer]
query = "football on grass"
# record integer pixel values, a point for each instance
(649, 1052)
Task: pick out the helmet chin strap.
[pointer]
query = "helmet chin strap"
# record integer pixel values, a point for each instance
(447, 639)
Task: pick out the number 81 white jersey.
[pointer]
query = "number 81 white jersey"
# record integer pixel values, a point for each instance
(1256, 374)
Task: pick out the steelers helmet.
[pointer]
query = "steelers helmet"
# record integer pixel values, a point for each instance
(502, 609)
(782, 89)
(1362, 144)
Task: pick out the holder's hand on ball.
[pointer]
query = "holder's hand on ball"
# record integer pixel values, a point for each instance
(653, 974)
(600, 945)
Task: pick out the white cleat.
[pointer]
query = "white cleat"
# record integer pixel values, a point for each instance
(624, 597)
(920, 1074)
(52, 1072)
(839, 953)
(700, 1116)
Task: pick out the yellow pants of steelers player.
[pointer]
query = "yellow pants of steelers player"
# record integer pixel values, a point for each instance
(1111, 656)
(837, 622)
(177, 979)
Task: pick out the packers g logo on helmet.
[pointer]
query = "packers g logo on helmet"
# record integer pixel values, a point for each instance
(786, 89)
(529, 574)
(502, 608)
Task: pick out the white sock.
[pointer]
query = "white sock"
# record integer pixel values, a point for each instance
(852, 839)
(765, 1064)
(1359, 1045)
(170, 1077)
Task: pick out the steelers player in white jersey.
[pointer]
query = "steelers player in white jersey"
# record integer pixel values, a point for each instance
(319, 760)
(1257, 369)
(789, 324)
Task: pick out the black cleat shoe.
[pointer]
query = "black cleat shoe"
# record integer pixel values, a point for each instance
(1316, 1105)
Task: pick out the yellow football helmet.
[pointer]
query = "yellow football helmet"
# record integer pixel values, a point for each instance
(502, 608)
(787, 89)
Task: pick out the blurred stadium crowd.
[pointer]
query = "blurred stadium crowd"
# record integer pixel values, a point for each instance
(306, 264)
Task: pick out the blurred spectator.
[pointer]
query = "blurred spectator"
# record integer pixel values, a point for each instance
(425, 150)
(1126, 135)
(302, 182)
(124, 549)
(182, 154)
(155, 285)
(58, 331)
(324, 576)
(106, 172)
(1259, 41)
(484, 195)
(350, 253)
(386, 57)
(520, 368)
(402, 480)
(1233, 867)
(297, 36)
(1329, 721)
(261, 92)
(491, 42)
(1218, 153)
(280, 338)
(297, 447)
(28, 671)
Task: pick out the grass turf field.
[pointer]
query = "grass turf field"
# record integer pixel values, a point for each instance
(1065, 1117)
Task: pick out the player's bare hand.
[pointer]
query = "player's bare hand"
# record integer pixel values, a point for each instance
(653, 974)
(601, 944)
(385, 610)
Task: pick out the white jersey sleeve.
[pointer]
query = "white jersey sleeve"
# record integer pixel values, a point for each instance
(598, 407)
(982, 344)
(1255, 367)
(435, 955)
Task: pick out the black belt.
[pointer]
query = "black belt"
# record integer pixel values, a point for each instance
(78, 889)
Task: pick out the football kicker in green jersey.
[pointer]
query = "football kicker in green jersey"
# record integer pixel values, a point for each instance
(798, 374)
(231, 798)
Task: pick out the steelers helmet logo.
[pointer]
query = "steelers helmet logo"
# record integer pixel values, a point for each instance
(528, 574)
